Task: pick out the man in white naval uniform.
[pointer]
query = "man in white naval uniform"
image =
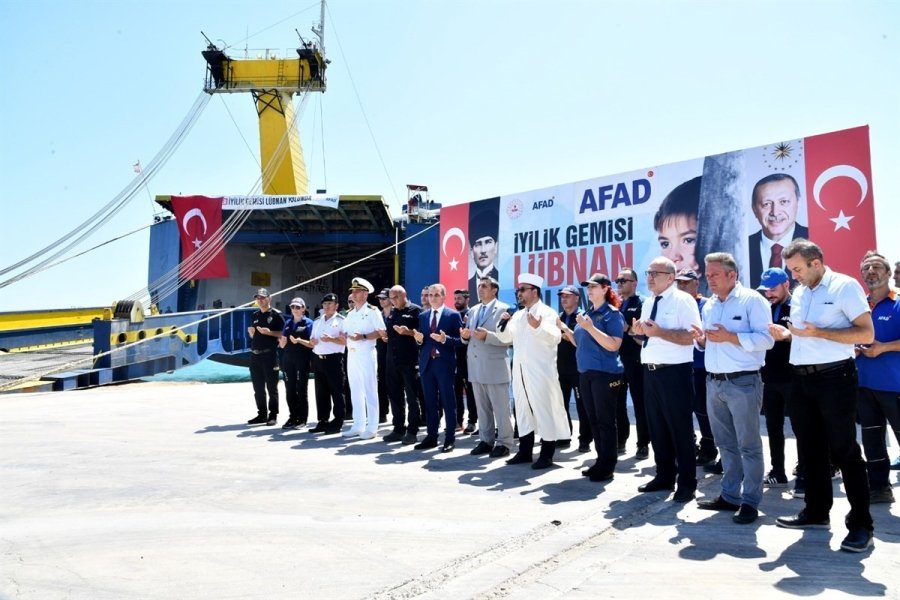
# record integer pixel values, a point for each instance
(363, 325)
(539, 403)
(489, 371)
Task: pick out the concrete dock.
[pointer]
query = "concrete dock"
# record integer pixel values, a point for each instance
(160, 490)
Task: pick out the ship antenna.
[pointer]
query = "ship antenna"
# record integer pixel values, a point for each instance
(320, 30)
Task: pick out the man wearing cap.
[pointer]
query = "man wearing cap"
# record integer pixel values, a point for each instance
(665, 329)
(295, 363)
(328, 347)
(735, 337)
(630, 355)
(438, 336)
(569, 299)
(688, 281)
(265, 328)
(776, 376)
(489, 371)
(404, 387)
(362, 327)
(535, 335)
(384, 301)
(879, 376)
(829, 315)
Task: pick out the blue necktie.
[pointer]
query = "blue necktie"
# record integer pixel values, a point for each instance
(653, 314)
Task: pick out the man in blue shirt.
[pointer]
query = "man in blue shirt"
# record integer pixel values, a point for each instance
(879, 376)
(735, 336)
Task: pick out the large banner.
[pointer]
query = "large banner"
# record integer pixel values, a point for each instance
(750, 203)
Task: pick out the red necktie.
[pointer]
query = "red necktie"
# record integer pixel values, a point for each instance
(433, 329)
(775, 259)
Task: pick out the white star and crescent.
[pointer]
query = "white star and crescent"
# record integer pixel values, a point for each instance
(841, 221)
(453, 232)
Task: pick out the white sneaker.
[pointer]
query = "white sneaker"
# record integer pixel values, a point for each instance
(367, 435)
(351, 433)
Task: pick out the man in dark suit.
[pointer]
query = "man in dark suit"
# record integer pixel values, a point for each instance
(775, 201)
(438, 336)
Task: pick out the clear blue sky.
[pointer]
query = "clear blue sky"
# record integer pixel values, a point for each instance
(473, 99)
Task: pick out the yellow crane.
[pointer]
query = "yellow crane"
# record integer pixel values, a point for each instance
(273, 82)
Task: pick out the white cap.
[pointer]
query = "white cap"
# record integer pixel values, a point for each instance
(531, 279)
(298, 302)
(358, 283)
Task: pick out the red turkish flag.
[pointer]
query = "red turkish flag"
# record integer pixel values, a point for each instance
(839, 197)
(199, 224)
(454, 250)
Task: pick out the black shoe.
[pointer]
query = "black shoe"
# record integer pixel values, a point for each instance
(409, 438)
(775, 480)
(592, 470)
(427, 444)
(601, 476)
(655, 485)
(333, 428)
(563, 443)
(719, 503)
(584, 447)
(715, 468)
(858, 540)
(545, 460)
(481, 448)
(272, 420)
(520, 458)
(684, 494)
(542, 463)
(257, 420)
(470, 428)
(801, 521)
(320, 427)
(620, 449)
(394, 436)
(499, 452)
(705, 457)
(881, 495)
(291, 424)
(643, 453)
(746, 515)
(448, 446)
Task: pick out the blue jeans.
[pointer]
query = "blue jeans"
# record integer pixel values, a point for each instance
(733, 407)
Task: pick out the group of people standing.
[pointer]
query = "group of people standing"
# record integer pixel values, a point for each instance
(811, 353)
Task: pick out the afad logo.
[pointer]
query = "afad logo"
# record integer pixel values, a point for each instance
(616, 195)
(540, 204)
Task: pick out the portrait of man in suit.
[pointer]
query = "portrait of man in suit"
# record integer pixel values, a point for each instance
(775, 202)
(483, 242)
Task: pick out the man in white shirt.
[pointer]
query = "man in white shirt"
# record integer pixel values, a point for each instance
(363, 325)
(665, 328)
(735, 336)
(829, 315)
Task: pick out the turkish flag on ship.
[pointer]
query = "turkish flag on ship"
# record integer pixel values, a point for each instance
(839, 202)
(199, 224)
(454, 257)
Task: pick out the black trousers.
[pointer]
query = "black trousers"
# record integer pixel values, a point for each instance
(698, 404)
(877, 409)
(569, 383)
(634, 381)
(668, 394)
(383, 396)
(600, 393)
(295, 366)
(404, 390)
(264, 376)
(461, 383)
(328, 370)
(824, 408)
(777, 404)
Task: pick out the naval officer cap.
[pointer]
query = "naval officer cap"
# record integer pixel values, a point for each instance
(358, 283)
(531, 279)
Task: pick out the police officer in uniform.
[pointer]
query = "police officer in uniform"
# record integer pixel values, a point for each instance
(328, 366)
(295, 363)
(265, 328)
